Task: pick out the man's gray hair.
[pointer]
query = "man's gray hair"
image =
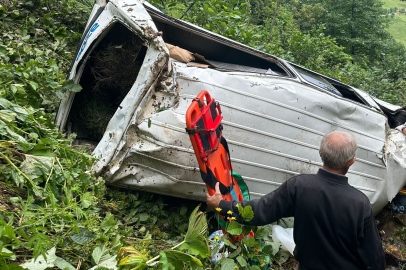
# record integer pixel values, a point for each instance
(337, 148)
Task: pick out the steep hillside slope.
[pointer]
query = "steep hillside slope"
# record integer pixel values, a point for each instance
(397, 25)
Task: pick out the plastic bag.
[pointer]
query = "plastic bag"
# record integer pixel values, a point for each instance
(284, 236)
(215, 236)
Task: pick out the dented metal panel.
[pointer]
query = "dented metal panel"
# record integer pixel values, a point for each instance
(274, 124)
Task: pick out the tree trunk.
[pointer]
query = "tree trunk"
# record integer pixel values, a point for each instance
(273, 20)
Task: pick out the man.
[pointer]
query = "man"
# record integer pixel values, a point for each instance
(334, 226)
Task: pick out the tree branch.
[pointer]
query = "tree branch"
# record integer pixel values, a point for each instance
(187, 10)
(273, 21)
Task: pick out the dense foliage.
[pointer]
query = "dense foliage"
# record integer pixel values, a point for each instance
(52, 206)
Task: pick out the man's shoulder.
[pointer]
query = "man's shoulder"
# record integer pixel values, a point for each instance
(303, 176)
(302, 180)
(360, 195)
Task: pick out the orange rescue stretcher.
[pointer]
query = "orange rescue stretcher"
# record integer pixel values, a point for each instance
(203, 124)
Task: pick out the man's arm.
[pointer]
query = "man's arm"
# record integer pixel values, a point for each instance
(371, 246)
(268, 209)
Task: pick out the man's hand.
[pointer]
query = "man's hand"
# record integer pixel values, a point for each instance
(214, 201)
(401, 128)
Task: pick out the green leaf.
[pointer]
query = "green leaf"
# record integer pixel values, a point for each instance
(83, 236)
(109, 223)
(197, 247)
(168, 263)
(240, 208)
(197, 225)
(40, 242)
(143, 217)
(86, 199)
(251, 241)
(241, 261)
(100, 253)
(183, 257)
(282, 256)
(13, 266)
(63, 265)
(61, 95)
(4, 103)
(130, 256)
(6, 116)
(59, 33)
(228, 243)
(33, 84)
(162, 109)
(246, 213)
(272, 248)
(228, 264)
(36, 166)
(255, 267)
(111, 264)
(263, 232)
(214, 251)
(235, 253)
(51, 260)
(234, 228)
(183, 210)
(246, 229)
(71, 86)
(116, 244)
(286, 222)
(7, 254)
(76, 88)
(33, 135)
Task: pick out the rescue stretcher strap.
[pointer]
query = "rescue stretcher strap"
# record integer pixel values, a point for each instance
(210, 179)
(243, 186)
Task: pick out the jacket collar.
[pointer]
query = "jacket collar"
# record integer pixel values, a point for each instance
(332, 177)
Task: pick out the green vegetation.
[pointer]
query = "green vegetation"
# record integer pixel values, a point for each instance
(393, 3)
(53, 207)
(397, 23)
(397, 28)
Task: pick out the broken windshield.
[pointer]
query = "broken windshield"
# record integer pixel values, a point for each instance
(317, 80)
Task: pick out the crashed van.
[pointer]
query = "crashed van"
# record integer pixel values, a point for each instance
(140, 69)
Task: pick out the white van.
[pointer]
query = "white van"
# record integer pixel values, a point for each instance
(140, 70)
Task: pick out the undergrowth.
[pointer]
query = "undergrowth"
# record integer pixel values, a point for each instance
(51, 206)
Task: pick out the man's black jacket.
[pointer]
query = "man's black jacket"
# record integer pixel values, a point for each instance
(334, 226)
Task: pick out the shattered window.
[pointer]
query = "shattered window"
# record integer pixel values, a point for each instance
(242, 68)
(108, 75)
(317, 80)
(222, 53)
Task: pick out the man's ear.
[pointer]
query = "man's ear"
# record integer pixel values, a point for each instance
(349, 163)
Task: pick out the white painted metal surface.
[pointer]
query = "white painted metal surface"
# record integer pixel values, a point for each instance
(274, 124)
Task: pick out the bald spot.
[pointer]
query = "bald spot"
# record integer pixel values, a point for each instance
(337, 140)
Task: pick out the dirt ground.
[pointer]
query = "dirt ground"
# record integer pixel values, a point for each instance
(392, 229)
